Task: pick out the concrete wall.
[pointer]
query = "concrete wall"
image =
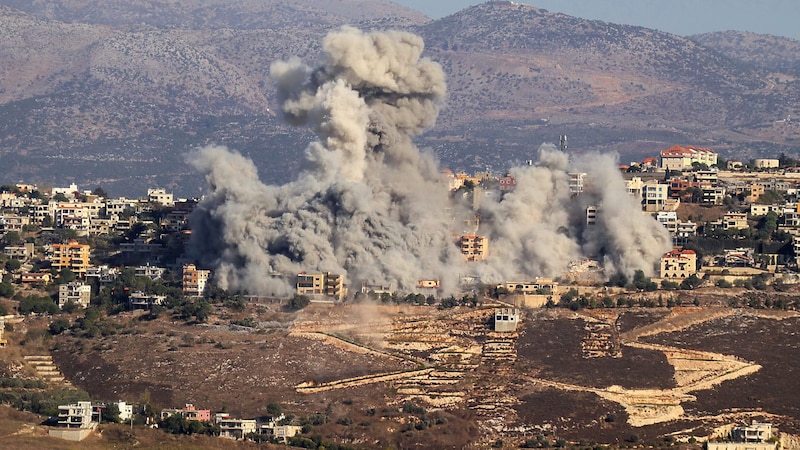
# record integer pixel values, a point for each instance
(71, 434)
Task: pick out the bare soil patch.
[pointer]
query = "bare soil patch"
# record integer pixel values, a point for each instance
(551, 349)
(774, 344)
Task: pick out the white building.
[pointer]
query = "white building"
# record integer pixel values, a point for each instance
(669, 219)
(577, 182)
(140, 300)
(766, 163)
(74, 292)
(78, 415)
(152, 272)
(125, 410)
(655, 196)
(506, 319)
(234, 428)
(161, 197)
(681, 158)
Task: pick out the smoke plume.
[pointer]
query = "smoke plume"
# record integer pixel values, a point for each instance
(373, 207)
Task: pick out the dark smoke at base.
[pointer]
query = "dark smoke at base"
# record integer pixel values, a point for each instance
(371, 206)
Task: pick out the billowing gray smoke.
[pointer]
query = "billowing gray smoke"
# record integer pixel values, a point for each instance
(371, 206)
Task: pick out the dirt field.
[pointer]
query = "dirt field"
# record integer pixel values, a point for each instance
(402, 377)
(773, 344)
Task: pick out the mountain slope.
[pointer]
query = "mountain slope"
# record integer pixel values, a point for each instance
(114, 93)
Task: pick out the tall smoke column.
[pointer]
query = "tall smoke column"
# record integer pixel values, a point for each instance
(626, 239)
(369, 205)
(528, 227)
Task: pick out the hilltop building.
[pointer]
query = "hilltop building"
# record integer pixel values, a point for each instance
(682, 158)
(756, 436)
(160, 197)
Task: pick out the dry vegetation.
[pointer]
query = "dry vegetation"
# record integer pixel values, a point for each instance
(417, 376)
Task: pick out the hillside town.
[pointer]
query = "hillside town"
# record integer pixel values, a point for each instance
(736, 224)
(67, 250)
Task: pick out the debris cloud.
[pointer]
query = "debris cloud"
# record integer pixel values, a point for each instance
(371, 206)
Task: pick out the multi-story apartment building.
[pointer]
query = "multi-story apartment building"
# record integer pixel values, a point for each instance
(77, 415)
(140, 300)
(44, 212)
(655, 196)
(194, 280)
(669, 219)
(234, 428)
(13, 222)
(734, 221)
(634, 187)
(474, 247)
(74, 292)
(152, 272)
(72, 256)
(22, 252)
(324, 284)
(577, 182)
(591, 215)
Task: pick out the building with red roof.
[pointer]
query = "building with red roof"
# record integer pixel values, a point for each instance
(681, 158)
(679, 264)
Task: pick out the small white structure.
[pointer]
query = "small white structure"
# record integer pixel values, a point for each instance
(125, 410)
(506, 319)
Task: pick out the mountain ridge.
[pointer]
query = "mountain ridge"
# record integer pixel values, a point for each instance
(119, 103)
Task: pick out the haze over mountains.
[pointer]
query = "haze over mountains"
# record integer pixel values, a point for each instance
(117, 93)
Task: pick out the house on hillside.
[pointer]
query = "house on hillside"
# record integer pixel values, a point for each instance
(678, 264)
(232, 428)
(188, 412)
(74, 292)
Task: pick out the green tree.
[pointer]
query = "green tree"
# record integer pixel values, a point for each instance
(58, 326)
(6, 289)
(298, 302)
(11, 238)
(639, 280)
(690, 283)
(274, 409)
(65, 276)
(37, 304)
(110, 413)
(60, 197)
(618, 279)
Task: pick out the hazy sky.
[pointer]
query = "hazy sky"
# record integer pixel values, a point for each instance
(681, 17)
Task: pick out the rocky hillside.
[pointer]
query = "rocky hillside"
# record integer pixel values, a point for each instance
(770, 53)
(114, 93)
